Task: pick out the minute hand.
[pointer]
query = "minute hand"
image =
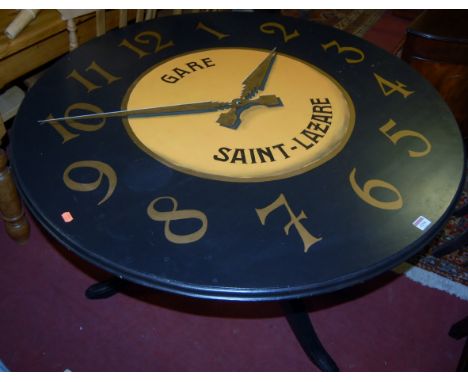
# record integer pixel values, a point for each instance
(200, 107)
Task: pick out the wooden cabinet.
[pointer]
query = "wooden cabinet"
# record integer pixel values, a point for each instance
(437, 46)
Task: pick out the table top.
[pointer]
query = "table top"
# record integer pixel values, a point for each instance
(378, 200)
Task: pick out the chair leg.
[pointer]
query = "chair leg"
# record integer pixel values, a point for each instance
(11, 210)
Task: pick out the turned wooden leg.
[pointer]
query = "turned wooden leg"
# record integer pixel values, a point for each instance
(11, 210)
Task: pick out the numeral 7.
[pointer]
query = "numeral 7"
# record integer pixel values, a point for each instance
(281, 201)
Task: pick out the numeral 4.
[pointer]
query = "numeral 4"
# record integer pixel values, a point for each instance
(389, 87)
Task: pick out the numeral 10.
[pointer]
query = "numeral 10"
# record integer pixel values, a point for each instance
(65, 133)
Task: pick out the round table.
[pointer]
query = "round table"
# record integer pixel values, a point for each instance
(378, 199)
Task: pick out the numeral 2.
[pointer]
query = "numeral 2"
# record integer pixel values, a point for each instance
(272, 28)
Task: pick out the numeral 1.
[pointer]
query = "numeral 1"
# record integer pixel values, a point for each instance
(218, 35)
(307, 239)
(90, 86)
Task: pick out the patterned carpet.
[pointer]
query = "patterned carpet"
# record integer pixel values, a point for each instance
(355, 21)
(453, 265)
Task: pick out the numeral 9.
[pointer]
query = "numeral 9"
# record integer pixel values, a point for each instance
(103, 170)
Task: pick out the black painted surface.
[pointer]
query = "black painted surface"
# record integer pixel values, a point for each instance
(238, 258)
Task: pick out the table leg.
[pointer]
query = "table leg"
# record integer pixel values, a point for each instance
(301, 325)
(105, 289)
(459, 331)
(11, 210)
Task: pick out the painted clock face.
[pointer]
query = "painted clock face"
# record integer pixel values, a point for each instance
(251, 157)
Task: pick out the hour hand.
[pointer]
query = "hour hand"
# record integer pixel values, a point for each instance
(232, 119)
(257, 79)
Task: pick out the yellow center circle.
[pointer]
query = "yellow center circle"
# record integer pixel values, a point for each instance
(301, 119)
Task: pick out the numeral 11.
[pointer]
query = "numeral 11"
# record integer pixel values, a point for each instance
(89, 85)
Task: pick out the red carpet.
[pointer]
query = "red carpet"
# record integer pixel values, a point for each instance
(389, 324)
(46, 324)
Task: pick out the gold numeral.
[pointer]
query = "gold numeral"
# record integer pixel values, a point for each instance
(140, 52)
(272, 28)
(168, 216)
(103, 170)
(81, 126)
(389, 87)
(396, 136)
(346, 49)
(90, 86)
(59, 128)
(218, 35)
(146, 38)
(365, 193)
(307, 239)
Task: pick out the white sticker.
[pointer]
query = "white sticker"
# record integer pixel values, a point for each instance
(422, 223)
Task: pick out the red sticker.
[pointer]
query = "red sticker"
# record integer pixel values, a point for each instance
(67, 217)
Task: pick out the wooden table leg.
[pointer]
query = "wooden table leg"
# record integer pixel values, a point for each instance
(299, 321)
(11, 210)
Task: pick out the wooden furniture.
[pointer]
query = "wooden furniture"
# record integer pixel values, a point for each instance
(46, 38)
(437, 46)
(11, 210)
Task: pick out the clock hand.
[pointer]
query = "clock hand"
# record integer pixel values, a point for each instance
(252, 84)
(200, 107)
(257, 79)
(232, 119)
